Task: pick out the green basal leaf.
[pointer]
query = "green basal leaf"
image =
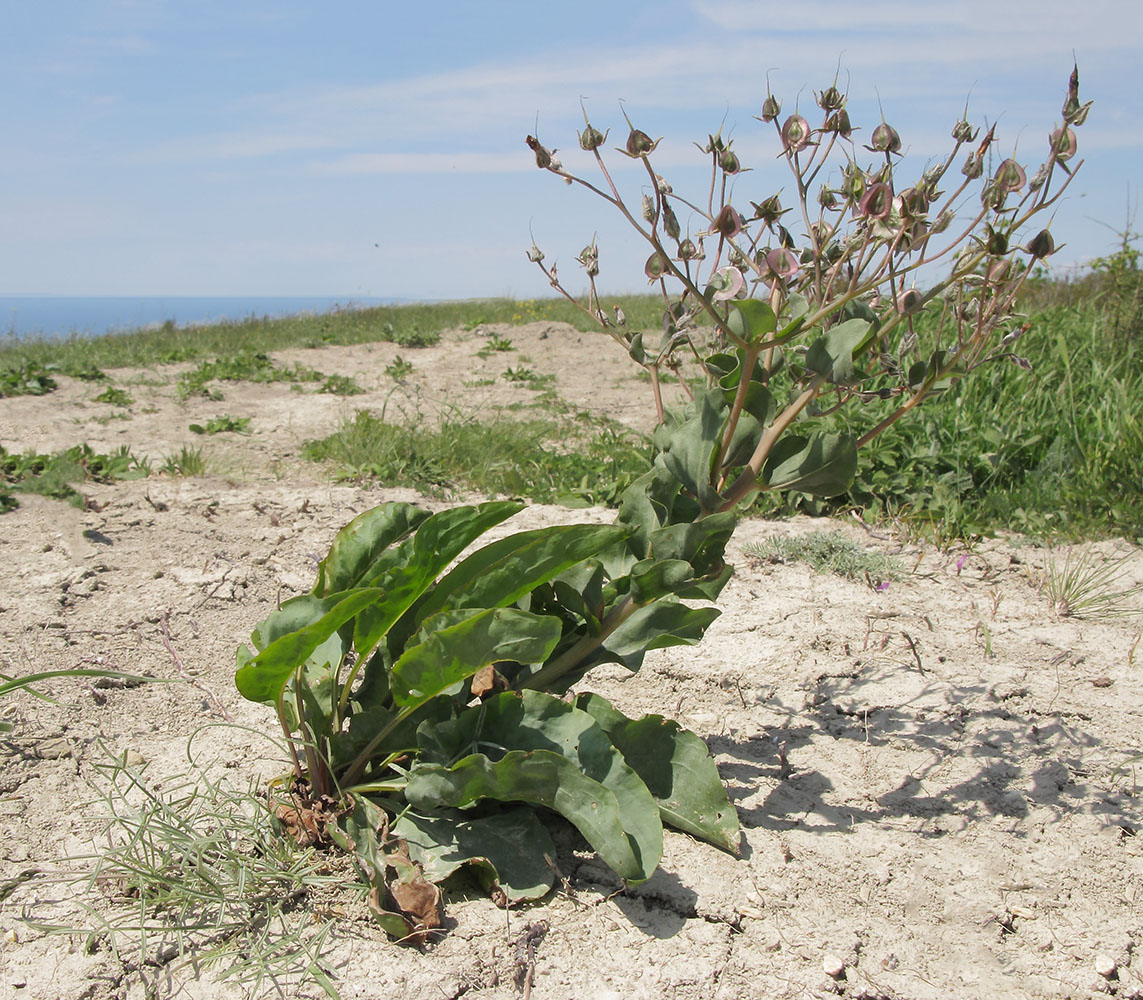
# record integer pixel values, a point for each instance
(751, 320)
(417, 562)
(453, 654)
(823, 465)
(546, 778)
(676, 767)
(832, 354)
(506, 850)
(262, 678)
(690, 449)
(504, 571)
(361, 542)
(665, 623)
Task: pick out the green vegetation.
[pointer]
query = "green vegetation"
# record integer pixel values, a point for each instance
(56, 475)
(115, 396)
(225, 424)
(590, 461)
(829, 552)
(186, 461)
(405, 325)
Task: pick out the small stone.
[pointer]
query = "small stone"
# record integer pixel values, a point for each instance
(833, 966)
(1105, 966)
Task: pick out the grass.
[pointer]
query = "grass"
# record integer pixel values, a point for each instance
(1084, 585)
(586, 462)
(199, 874)
(829, 552)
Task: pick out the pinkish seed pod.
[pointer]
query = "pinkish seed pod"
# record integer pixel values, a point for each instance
(688, 251)
(640, 144)
(795, 134)
(877, 202)
(782, 263)
(543, 157)
(728, 223)
(885, 140)
(909, 302)
(1041, 245)
(839, 122)
(1064, 144)
(1010, 176)
(771, 108)
(657, 265)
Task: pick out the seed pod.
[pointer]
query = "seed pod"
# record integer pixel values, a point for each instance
(1041, 245)
(964, 132)
(543, 157)
(1064, 144)
(909, 302)
(590, 139)
(688, 251)
(640, 144)
(830, 99)
(885, 140)
(795, 134)
(769, 211)
(781, 263)
(657, 265)
(839, 122)
(1010, 176)
(771, 108)
(877, 202)
(728, 222)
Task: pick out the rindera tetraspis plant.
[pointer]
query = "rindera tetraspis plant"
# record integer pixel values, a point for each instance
(426, 703)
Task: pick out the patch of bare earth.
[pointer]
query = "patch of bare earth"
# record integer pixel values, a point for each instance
(929, 778)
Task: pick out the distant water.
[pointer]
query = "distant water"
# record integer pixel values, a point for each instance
(90, 316)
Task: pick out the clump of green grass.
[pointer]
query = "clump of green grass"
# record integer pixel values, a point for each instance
(186, 461)
(115, 396)
(1084, 585)
(829, 552)
(225, 424)
(541, 459)
(56, 475)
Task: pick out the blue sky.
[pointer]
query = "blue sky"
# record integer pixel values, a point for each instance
(277, 147)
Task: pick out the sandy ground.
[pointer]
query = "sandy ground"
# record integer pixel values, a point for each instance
(930, 779)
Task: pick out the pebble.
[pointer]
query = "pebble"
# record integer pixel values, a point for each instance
(833, 966)
(1105, 966)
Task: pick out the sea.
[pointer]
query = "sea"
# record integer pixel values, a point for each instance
(53, 316)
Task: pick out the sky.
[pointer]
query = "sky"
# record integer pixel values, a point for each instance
(373, 148)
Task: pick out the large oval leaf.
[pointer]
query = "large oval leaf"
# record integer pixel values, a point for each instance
(544, 778)
(262, 678)
(676, 767)
(450, 655)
